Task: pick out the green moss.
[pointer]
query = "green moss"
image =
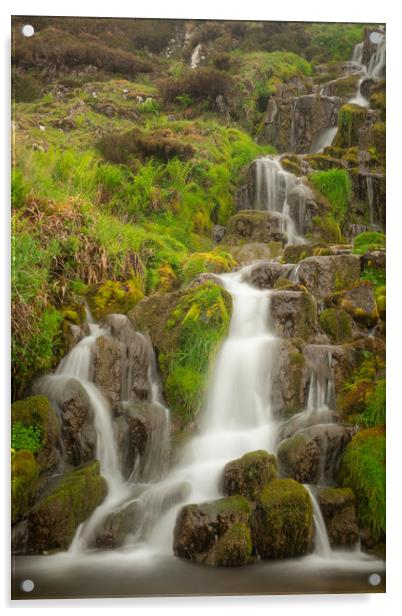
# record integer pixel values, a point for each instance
(378, 137)
(337, 324)
(323, 162)
(196, 327)
(326, 230)
(380, 298)
(362, 468)
(368, 241)
(24, 483)
(233, 548)
(295, 253)
(236, 505)
(216, 262)
(113, 296)
(350, 119)
(55, 518)
(345, 86)
(359, 387)
(335, 185)
(248, 475)
(26, 437)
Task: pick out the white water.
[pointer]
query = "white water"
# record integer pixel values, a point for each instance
(324, 140)
(196, 56)
(279, 191)
(322, 545)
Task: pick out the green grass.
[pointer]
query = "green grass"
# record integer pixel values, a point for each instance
(368, 241)
(336, 186)
(375, 412)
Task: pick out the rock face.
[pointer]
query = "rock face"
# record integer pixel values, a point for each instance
(248, 475)
(283, 520)
(245, 253)
(337, 324)
(369, 189)
(289, 380)
(293, 314)
(216, 533)
(313, 453)
(107, 368)
(360, 303)
(294, 124)
(264, 275)
(24, 483)
(116, 527)
(328, 274)
(255, 226)
(338, 509)
(55, 518)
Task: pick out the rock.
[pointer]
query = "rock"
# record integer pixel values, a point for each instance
(294, 253)
(293, 314)
(327, 274)
(249, 474)
(282, 525)
(339, 513)
(314, 452)
(218, 233)
(263, 275)
(255, 226)
(37, 412)
(117, 526)
(19, 537)
(369, 190)
(55, 518)
(351, 119)
(78, 431)
(215, 533)
(289, 380)
(246, 253)
(345, 86)
(107, 367)
(141, 433)
(202, 278)
(369, 48)
(337, 324)
(360, 303)
(24, 483)
(374, 259)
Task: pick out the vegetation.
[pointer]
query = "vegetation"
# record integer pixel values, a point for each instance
(368, 241)
(28, 438)
(335, 185)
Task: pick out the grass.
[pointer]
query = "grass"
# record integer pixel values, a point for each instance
(368, 241)
(336, 186)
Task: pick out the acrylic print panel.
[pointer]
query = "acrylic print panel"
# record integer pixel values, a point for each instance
(198, 316)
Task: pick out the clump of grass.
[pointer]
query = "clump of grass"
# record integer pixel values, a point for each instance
(368, 241)
(375, 412)
(336, 186)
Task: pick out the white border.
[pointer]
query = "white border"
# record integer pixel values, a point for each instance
(387, 11)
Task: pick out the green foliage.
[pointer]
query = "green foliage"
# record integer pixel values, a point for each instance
(199, 84)
(216, 262)
(18, 188)
(326, 230)
(333, 41)
(351, 118)
(337, 324)
(362, 468)
(24, 437)
(368, 241)
(335, 184)
(375, 412)
(24, 483)
(114, 297)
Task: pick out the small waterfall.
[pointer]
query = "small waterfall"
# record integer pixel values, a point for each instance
(196, 56)
(376, 67)
(280, 191)
(321, 540)
(370, 196)
(358, 53)
(324, 140)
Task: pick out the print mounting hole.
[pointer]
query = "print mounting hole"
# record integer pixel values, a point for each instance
(27, 585)
(28, 30)
(374, 579)
(375, 38)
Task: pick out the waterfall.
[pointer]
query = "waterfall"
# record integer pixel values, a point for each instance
(279, 191)
(358, 53)
(321, 540)
(376, 67)
(370, 196)
(324, 140)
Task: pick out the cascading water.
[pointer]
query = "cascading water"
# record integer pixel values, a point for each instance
(279, 191)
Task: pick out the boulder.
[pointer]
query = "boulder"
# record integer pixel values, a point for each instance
(345, 86)
(370, 195)
(326, 274)
(54, 520)
(289, 380)
(282, 524)
(263, 275)
(255, 226)
(351, 120)
(249, 474)
(24, 483)
(360, 303)
(294, 253)
(314, 452)
(338, 509)
(117, 526)
(245, 253)
(107, 367)
(293, 314)
(215, 533)
(337, 324)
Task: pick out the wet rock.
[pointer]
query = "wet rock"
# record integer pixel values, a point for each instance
(202, 278)
(374, 259)
(351, 120)
(246, 253)
(264, 275)
(289, 380)
(345, 86)
(327, 274)
(339, 513)
(55, 518)
(360, 303)
(255, 226)
(215, 533)
(297, 252)
(117, 526)
(107, 367)
(337, 324)
(313, 453)
(249, 474)
(218, 233)
(369, 190)
(293, 314)
(19, 537)
(283, 521)
(24, 483)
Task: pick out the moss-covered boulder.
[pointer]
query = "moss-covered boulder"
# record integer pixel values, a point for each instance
(216, 262)
(294, 253)
(326, 274)
(55, 518)
(362, 468)
(36, 412)
(293, 314)
(215, 533)
(337, 324)
(245, 253)
(24, 483)
(361, 304)
(339, 512)
(283, 521)
(263, 275)
(255, 226)
(351, 119)
(249, 474)
(290, 376)
(323, 162)
(313, 453)
(114, 296)
(345, 87)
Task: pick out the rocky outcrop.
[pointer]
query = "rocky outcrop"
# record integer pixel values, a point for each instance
(215, 533)
(339, 513)
(255, 226)
(289, 380)
(360, 303)
(245, 253)
(313, 453)
(107, 367)
(283, 521)
(369, 199)
(248, 475)
(264, 275)
(293, 314)
(325, 275)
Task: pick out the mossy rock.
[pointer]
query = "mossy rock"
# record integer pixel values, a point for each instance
(362, 468)
(114, 297)
(216, 262)
(339, 512)
(255, 226)
(245, 253)
(294, 253)
(292, 164)
(24, 483)
(337, 324)
(345, 87)
(351, 118)
(360, 303)
(325, 230)
(323, 162)
(248, 475)
(54, 520)
(293, 313)
(377, 138)
(215, 533)
(283, 521)
(37, 412)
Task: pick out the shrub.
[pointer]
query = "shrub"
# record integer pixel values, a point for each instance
(216, 262)
(335, 184)
(368, 241)
(201, 84)
(28, 438)
(375, 412)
